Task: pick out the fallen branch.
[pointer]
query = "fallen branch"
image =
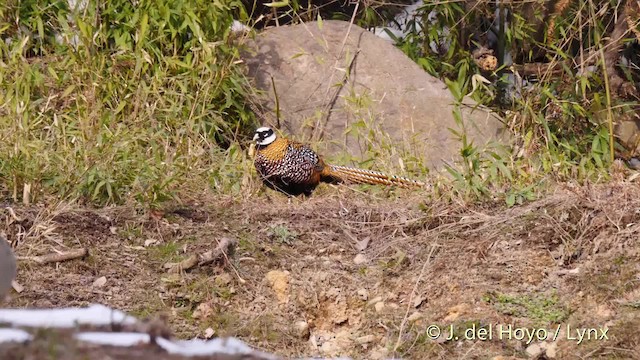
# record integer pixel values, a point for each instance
(218, 253)
(176, 268)
(225, 246)
(61, 256)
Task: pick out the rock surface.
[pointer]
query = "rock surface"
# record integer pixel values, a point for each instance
(7, 267)
(343, 86)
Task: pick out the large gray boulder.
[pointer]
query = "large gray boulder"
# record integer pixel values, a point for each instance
(345, 88)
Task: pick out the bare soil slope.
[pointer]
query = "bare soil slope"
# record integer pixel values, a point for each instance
(346, 273)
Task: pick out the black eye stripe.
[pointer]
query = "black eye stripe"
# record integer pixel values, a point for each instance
(265, 134)
(262, 134)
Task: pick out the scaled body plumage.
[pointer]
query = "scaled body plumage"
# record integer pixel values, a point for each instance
(294, 168)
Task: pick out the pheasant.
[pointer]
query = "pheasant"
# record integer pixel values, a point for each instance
(294, 168)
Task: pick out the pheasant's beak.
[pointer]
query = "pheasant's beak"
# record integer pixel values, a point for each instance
(256, 137)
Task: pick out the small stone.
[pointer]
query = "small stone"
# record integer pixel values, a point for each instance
(534, 350)
(330, 348)
(313, 341)
(375, 300)
(150, 242)
(360, 259)
(334, 344)
(415, 316)
(17, 287)
(550, 349)
(99, 282)
(379, 306)
(301, 329)
(340, 318)
(363, 294)
(379, 353)
(363, 244)
(418, 301)
(209, 333)
(365, 339)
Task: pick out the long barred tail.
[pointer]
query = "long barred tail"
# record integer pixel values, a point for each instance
(360, 176)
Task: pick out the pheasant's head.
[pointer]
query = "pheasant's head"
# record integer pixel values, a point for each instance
(264, 136)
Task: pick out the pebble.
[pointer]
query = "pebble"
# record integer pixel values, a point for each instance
(301, 329)
(360, 259)
(363, 294)
(99, 282)
(379, 306)
(534, 351)
(380, 353)
(415, 316)
(365, 339)
(375, 300)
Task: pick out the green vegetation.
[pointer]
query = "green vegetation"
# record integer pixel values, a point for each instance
(111, 102)
(540, 308)
(563, 121)
(165, 252)
(282, 234)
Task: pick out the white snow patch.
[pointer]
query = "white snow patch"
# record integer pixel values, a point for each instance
(198, 347)
(113, 339)
(195, 347)
(94, 314)
(14, 335)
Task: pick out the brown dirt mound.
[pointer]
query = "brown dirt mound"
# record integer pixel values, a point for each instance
(352, 274)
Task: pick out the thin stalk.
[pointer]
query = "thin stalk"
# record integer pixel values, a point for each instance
(608, 95)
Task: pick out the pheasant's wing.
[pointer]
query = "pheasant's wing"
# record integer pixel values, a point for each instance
(302, 164)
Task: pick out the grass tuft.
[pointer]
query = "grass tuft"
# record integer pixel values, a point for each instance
(113, 101)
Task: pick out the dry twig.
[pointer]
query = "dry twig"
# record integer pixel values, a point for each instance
(413, 293)
(225, 245)
(61, 256)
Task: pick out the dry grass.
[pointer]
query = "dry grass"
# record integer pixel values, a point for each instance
(570, 258)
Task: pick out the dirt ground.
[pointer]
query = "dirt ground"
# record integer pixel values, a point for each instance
(354, 274)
